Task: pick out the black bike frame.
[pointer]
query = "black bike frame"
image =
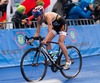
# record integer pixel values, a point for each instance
(42, 48)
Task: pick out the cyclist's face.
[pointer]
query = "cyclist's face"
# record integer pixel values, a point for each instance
(23, 12)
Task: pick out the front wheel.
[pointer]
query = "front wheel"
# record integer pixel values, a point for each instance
(76, 59)
(33, 65)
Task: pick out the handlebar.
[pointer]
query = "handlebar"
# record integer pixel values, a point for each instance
(40, 38)
(35, 38)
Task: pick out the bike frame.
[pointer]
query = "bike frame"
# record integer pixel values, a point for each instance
(42, 48)
(55, 65)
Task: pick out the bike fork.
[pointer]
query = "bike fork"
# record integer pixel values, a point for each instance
(36, 57)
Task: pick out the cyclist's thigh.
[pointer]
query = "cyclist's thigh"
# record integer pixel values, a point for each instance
(52, 35)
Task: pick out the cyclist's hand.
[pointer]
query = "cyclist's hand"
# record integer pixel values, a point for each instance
(44, 42)
(30, 41)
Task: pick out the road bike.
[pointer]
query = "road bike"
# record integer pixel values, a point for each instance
(36, 60)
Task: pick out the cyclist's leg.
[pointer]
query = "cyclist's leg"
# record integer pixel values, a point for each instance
(62, 37)
(50, 38)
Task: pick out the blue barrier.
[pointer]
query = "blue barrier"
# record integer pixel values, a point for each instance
(12, 44)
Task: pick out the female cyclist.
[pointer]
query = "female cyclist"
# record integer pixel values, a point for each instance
(56, 25)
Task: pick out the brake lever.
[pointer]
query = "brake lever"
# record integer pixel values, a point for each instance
(31, 44)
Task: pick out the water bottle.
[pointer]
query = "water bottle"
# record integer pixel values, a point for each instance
(54, 54)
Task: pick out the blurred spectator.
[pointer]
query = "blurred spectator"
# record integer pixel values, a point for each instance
(0, 2)
(0, 15)
(67, 8)
(74, 1)
(61, 6)
(39, 2)
(58, 7)
(97, 1)
(20, 18)
(3, 5)
(97, 13)
(83, 10)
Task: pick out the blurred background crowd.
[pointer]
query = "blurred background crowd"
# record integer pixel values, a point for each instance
(78, 10)
(69, 9)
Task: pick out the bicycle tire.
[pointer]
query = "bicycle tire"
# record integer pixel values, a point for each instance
(22, 66)
(80, 63)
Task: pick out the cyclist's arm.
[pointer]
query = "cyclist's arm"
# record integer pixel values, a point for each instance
(37, 32)
(49, 22)
(38, 29)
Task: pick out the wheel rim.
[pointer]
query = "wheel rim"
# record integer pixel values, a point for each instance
(76, 60)
(31, 70)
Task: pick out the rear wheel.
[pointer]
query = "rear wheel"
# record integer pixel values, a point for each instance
(33, 65)
(76, 59)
